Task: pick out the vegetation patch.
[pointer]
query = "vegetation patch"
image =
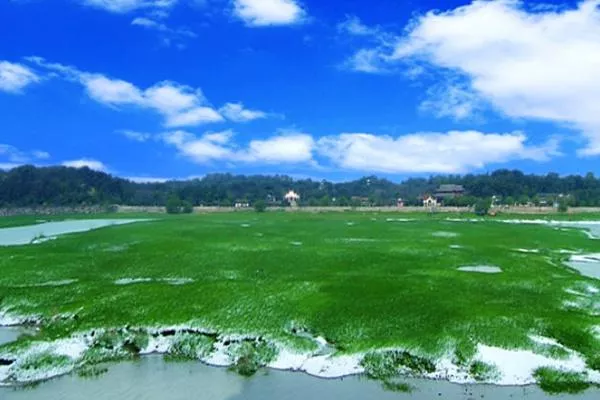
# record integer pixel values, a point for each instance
(389, 364)
(555, 381)
(189, 346)
(44, 361)
(250, 356)
(483, 372)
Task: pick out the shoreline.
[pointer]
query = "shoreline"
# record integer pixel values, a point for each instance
(515, 368)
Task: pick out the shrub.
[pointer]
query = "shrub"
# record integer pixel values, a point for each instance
(260, 206)
(563, 206)
(173, 205)
(482, 207)
(186, 207)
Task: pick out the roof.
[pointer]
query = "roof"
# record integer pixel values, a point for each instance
(451, 188)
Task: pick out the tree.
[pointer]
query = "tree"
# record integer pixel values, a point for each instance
(173, 205)
(260, 206)
(482, 207)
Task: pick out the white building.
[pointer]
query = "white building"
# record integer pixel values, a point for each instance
(293, 198)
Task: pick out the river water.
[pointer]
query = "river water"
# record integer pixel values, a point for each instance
(151, 378)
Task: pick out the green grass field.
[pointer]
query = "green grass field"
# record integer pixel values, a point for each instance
(358, 280)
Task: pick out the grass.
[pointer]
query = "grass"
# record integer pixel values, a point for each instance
(364, 286)
(555, 381)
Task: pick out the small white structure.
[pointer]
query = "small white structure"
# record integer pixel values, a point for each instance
(430, 202)
(292, 198)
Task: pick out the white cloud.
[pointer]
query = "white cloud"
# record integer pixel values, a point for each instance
(40, 155)
(15, 77)
(237, 113)
(354, 26)
(180, 105)
(541, 64)
(16, 156)
(124, 6)
(111, 91)
(135, 136)
(218, 146)
(200, 150)
(84, 162)
(269, 12)
(167, 32)
(451, 152)
(293, 148)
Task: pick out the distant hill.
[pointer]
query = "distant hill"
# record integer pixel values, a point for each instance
(28, 186)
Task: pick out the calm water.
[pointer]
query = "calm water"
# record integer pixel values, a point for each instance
(10, 334)
(21, 235)
(153, 379)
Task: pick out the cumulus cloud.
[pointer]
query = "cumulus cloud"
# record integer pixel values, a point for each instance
(85, 162)
(451, 152)
(180, 105)
(15, 77)
(237, 113)
(256, 13)
(219, 146)
(533, 63)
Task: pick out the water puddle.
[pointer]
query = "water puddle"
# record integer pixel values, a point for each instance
(22, 235)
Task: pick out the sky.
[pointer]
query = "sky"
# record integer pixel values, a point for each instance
(172, 89)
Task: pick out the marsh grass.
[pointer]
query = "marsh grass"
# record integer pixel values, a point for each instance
(399, 289)
(187, 346)
(554, 381)
(251, 356)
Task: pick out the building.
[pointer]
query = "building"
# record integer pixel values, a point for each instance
(429, 202)
(293, 198)
(444, 192)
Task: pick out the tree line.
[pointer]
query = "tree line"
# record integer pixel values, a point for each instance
(30, 186)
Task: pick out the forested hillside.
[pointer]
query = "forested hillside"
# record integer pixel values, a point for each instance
(28, 186)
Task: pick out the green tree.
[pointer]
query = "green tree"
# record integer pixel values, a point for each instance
(482, 207)
(173, 205)
(260, 206)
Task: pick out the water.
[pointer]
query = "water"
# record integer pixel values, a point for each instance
(22, 235)
(153, 379)
(10, 334)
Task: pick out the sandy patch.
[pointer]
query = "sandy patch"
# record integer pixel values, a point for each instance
(484, 269)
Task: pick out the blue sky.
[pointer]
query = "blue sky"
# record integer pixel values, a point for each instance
(157, 89)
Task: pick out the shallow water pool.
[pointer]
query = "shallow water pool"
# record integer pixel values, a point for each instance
(22, 235)
(151, 378)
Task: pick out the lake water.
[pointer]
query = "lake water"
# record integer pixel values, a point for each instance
(151, 378)
(22, 235)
